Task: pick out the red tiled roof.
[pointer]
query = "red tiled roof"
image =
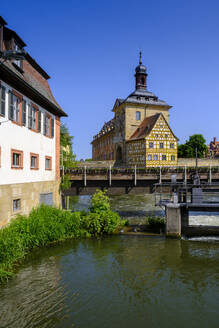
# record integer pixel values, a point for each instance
(145, 127)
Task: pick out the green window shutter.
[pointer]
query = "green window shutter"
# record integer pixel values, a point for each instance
(2, 101)
(10, 106)
(52, 127)
(39, 121)
(29, 116)
(24, 104)
(44, 124)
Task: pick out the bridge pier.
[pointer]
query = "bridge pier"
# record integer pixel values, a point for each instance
(173, 220)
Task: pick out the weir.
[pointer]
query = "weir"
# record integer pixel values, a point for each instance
(180, 199)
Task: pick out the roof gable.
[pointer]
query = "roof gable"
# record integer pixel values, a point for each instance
(145, 127)
(118, 102)
(148, 124)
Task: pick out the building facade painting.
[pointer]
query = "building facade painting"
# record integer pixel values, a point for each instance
(136, 111)
(29, 133)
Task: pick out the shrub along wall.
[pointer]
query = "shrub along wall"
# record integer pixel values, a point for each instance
(46, 224)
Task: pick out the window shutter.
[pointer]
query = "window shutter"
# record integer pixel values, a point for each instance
(29, 116)
(44, 124)
(10, 106)
(39, 121)
(52, 127)
(2, 100)
(24, 104)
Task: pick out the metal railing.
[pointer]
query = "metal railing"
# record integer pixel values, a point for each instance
(166, 193)
(152, 170)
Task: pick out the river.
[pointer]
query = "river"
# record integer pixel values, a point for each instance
(116, 281)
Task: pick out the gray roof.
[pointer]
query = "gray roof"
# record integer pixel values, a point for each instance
(142, 96)
(29, 79)
(107, 127)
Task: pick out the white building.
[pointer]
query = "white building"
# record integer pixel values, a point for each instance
(29, 133)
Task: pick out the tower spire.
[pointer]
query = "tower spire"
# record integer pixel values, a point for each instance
(140, 75)
(140, 58)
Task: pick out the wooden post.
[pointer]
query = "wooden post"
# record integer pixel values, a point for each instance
(67, 202)
(110, 177)
(85, 177)
(185, 180)
(135, 177)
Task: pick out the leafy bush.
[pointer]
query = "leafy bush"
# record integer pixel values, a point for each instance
(100, 202)
(156, 222)
(48, 224)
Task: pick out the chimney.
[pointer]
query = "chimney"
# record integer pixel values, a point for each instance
(2, 24)
(214, 140)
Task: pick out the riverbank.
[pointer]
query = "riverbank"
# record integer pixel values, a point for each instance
(46, 225)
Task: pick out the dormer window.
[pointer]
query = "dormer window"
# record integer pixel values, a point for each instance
(17, 62)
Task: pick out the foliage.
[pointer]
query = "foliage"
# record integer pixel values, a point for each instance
(101, 218)
(67, 158)
(65, 182)
(188, 149)
(46, 224)
(100, 202)
(156, 222)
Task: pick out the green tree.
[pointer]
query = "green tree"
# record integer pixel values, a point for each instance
(67, 158)
(187, 149)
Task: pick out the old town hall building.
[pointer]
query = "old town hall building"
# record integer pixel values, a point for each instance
(139, 134)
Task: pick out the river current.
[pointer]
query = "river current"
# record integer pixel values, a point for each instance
(116, 281)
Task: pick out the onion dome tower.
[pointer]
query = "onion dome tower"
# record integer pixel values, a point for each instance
(140, 75)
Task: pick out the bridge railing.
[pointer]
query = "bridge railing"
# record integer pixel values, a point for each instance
(131, 170)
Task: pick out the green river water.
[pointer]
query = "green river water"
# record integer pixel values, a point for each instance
(116, 281)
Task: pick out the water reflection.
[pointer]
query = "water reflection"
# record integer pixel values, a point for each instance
(119, 281)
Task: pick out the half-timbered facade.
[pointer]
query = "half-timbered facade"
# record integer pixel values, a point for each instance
(153, 144)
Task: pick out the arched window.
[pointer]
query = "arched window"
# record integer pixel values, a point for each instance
(138, 116)
(142, 80)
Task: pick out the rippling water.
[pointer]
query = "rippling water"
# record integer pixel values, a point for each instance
(119, 281)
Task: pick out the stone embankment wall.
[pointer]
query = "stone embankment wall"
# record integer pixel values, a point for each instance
(181, 162)
(201, 161)
(96, 164)
(29, 193)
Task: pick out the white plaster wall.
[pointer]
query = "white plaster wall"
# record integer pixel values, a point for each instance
(17, 137)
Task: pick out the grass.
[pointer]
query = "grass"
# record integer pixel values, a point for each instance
(45, 225)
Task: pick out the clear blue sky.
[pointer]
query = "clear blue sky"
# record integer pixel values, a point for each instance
(90, 50)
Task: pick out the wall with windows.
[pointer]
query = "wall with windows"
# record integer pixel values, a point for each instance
(27, 139)
(161, 146)
(135, 153)
(135, 114)
(103, 147)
